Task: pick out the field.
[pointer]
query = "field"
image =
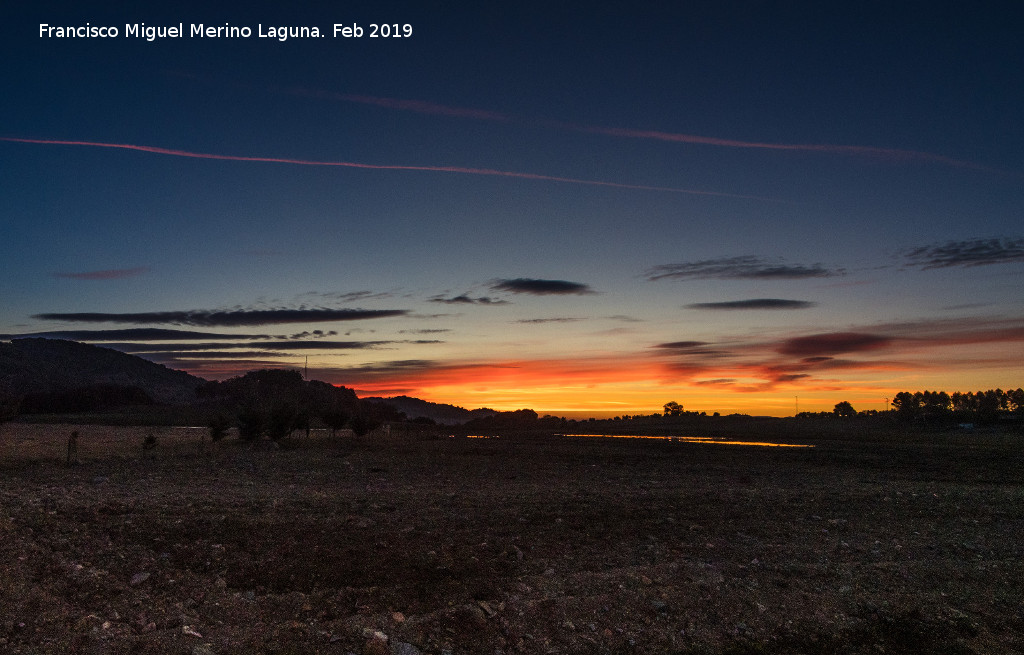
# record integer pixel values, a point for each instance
(428, 544)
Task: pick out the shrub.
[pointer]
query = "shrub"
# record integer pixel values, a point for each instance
(219, 426)
(251, 423)
(362, 425)
(335, 419)
(282, 420)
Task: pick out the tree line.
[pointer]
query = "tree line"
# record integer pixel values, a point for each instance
(942, 407)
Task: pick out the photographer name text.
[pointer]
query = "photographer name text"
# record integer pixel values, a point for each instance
(225, 31)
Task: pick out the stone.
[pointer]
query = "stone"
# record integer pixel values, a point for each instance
(376, 645)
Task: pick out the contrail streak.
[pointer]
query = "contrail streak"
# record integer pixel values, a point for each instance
(388, 167)
(421, 107)
(866, 151)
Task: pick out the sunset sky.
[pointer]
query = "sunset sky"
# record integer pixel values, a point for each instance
(578, 210)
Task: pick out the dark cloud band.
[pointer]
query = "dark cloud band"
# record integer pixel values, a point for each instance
(541, 287)
(112, 274)
(229, 318)
(748, 268)
(754, 303)
(132, 334)
(464, 299)
(966, 254)
(833, 343)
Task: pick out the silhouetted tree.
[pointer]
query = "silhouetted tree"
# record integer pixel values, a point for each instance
(335, 418)
(672, 408)
(282, 419)
(363, 425)
(844, 410)
(251, 423)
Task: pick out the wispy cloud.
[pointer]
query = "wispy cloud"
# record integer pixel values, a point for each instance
(464, 299)
(132, 334)
(966, 254)
(259, 345)
(744, 267)
(111, 274)
(872, 152)
(417, 106)
(315, 334)
(833, 343)
(380, 167)
(541, 287)
(754, 303)
(890, 154)
(425, 331)
(209, 318)
(681, 345)
(560, 319)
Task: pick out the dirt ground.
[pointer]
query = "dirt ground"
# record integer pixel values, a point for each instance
(440, 545)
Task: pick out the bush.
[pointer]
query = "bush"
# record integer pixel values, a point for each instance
(282, 420)
(219, 426)
(251, 423)
(335, 419)
(362, 425)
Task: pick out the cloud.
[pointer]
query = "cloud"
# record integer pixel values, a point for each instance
(464, 299)
(423, 107)
(541, 287)
(204, 317)
(112, 274)
(418, 106)
(347, 296)
(163, 356)
(315, 334)
(755, 303)
(319, 345)
(132, 334)
(891, 154)
(745, 267)
(261, 345)
(425, 331)
(966, 254)
(681, 345)
(380, 167)
(563, 319)
(833, 343)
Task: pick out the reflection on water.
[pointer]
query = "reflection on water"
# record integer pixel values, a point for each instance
(713, 440)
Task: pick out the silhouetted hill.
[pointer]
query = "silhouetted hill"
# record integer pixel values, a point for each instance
(45, 366)
(441, 413)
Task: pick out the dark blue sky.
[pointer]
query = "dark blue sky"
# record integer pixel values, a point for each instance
(863, 163)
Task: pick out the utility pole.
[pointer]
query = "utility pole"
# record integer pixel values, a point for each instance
(305, 370)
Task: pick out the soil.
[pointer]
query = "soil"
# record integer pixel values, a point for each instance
(430, 544)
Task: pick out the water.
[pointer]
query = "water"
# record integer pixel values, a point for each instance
(713, 440)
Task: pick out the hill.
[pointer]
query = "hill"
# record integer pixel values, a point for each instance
(44, 366)
(438, 412)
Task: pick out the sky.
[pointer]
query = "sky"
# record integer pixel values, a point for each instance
(587, 209)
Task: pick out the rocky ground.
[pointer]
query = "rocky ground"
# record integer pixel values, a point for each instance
(509, 545)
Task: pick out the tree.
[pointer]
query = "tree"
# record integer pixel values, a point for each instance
(363, 425)
(672, 408)
(335, 418)
(844, 410)
(282, 420)
(251, 423)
